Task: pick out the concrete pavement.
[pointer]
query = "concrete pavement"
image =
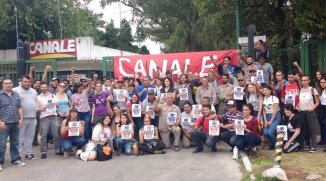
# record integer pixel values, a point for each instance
(176, 166)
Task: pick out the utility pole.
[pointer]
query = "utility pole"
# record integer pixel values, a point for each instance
(60, 25)
(120, 29)
(238, 23)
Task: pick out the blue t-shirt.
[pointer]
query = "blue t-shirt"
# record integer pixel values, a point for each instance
(144, 95)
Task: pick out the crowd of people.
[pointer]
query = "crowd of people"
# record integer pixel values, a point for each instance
(242, 105)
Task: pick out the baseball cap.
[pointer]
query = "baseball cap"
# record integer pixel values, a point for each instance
(83, 78)
(241, 78)
(151, 91)
(230, 103)
(55, 78)
(120, 79)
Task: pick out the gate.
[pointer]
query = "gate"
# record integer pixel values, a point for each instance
(107, 67)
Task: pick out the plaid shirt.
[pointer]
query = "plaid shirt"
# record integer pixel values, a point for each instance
(9, 106)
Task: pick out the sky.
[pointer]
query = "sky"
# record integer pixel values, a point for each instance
(112, 12)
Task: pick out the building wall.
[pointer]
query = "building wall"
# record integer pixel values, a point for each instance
(8, 55)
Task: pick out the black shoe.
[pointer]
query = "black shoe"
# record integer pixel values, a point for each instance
(31, 157)
(214, 149)
(321, 143)
(271, 147)
(43, 156)
(197, 150)
(60, 153)
(35, 143)
(118, 153)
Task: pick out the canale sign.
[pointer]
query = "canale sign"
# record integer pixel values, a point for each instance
(53, 48)
(178, 63)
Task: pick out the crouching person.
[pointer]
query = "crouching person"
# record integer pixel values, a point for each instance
(148, 138)
(201, 133)
(72, 132)
(102, 133)
(294, 129)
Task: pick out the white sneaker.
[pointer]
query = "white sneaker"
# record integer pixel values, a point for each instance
(65, 154)
(78, 153)
(1, 168)
(235, 153)
(18, 163)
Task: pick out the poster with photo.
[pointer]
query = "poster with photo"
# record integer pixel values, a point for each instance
(290, 99)
(214, 128)
(253, 79)
(183, 94)
(73, 129)
(186, 122)
(239, 127)
(238, 93)
(121, 95)
(196, 110)
(172, 118)
(136, 110)
(284, 130)
(150, 111)
(260, 76)
(126, 132)
(50, 106)
(148, 132)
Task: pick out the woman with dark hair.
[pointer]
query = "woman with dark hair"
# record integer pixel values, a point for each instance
(271, 115)
(68, 141)
(294, 128)
(79, 101)
(123, 145)
(251, 138)
(102, 133)
(168, 87)
(319, 75)
(322, 111)
(136, 121)
(158, 86)
(63, 101)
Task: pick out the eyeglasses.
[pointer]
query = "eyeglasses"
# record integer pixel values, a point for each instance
(62, 86)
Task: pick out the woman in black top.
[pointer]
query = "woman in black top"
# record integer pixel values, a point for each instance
(294, 128)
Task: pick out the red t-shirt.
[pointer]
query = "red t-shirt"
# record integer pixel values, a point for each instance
(252, 125)
(204, 122)
(292, 89)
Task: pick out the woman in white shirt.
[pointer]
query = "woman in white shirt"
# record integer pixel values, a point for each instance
(271, 115)
(322, 111)
(102, 133)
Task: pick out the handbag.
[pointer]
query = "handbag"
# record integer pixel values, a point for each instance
(103, 152)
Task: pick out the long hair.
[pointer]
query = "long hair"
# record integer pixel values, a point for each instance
(76, 87)
(170, 80)
(257, 92)
(109, 125)
(125, 115)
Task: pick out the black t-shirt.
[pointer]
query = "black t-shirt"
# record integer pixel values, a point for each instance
(292, 125)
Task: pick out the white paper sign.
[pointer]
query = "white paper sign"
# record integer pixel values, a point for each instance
(148, 132)
(238, 93)
(150, 111)
(196, 110)
(260, 76)
(253, 79)
(121, 95)
(172, 118)
(186, 122)
(136, 110)
(239, 127)
(214, 128)
(73, 129)
(284, 129)
(183, 94)
(126, 132)
(290, 99)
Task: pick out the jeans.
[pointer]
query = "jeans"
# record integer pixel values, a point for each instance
(269, 132)
(247, 141)
(200, 138)
(226, 136)
(86, 117)
(26, 135)
(68, 143)
(52, 123)
(309, 128)
(322, 122)
(155, 121)
(139, 123)
(124, 145)
(13, 132)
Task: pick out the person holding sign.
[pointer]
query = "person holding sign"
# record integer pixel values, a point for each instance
(133, 108)
(168, 87)
(72, 132)
(170, 117)
(206, 91)
(184, 91)
(201, 133)
(148, 107)
(125, 133)
(294, 129)
(251, 137)
(148, 138)
(186, 121)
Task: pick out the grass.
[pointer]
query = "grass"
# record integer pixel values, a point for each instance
(297, 165)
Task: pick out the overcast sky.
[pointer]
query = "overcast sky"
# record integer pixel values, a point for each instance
(113, 12)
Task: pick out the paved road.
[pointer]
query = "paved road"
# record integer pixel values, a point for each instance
(182, 165)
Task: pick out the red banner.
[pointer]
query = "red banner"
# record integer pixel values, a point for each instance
(53, 48)
(146, 65)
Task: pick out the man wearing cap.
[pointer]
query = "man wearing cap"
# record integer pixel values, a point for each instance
(150, 101)
(54, 82)
(224, 94)
(228, 121)
(142, 89)
(122, 92)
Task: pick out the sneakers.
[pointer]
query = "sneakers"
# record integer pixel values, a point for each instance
(214, 149)
(312, 150)
(176, 148)
(65, 154)
(60, 153)
(1, 167)
(235, 153)
(31, 157)
(197, 150)
(43, 156)
(159, 152)
(78, 153)
(306, 148)
(18, 163)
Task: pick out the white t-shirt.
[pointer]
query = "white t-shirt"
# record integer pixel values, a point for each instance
(185, 115)
(49, 102)
(306, 101)
(269, 102)
(323, 98)
(97, 132)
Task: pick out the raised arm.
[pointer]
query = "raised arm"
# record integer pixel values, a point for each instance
(45, 73)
